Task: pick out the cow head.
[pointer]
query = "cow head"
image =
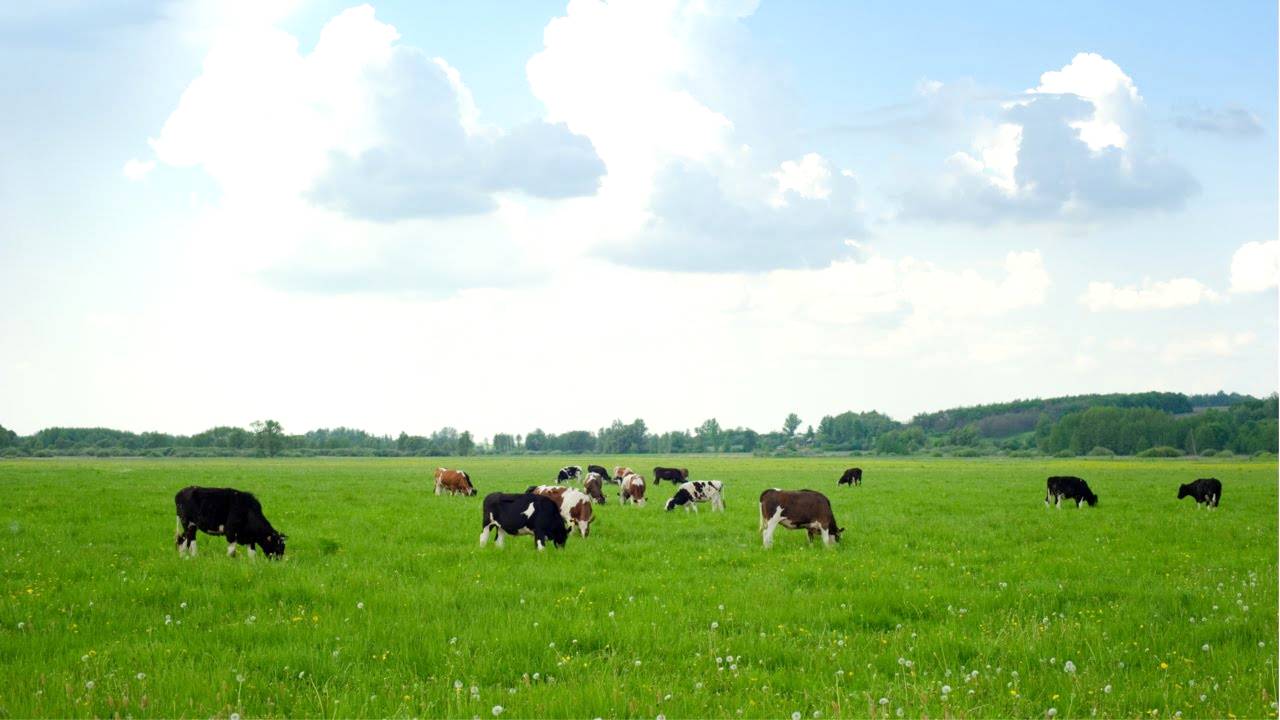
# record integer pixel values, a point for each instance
(273, 544)
(836, 531)
(559, 533)
(1090, 498)
(681, 497)
(1183, 491)
(471, 489)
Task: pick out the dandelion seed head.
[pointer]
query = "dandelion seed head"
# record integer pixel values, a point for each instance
(89, 685)
(497, 710)
(1069, 667)
(796, 715)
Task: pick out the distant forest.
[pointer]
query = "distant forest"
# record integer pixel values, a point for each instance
(1145, 424)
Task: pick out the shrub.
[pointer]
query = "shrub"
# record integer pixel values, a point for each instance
(1225, 453)
(1099, 451)
(1163, 451)
(1209, 453)
(1023, 453)
(965, 452)
(1064, 453)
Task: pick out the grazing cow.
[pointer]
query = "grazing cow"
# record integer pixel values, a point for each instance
(675, 475)
(224, 511)
(569, 472)
(594, 486)
(527, 514)
(1206, 491)
(1070, 487)
(689, 494)
(852, 476)
(632, 489)
(455, 482)
(575, 505)
(620, 472)
(600, 470)
(797, 509)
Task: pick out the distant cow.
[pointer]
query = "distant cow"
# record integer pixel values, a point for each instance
(852, 476)
(224, 511)
(675, 475)
(1070, 487)
(523, 514)
(575, 505)
(620, 472)
(632, 489)
(599, 470)
(795, 509)
(689, 494)
(594, 486)
(454, 482)
(1206, 491)
(569, 472)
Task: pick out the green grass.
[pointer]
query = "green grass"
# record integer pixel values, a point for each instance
(951, 573)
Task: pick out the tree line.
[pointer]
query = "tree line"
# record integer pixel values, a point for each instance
(1121, 423)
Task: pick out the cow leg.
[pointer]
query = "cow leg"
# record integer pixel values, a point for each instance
(1046, 499)
(538, 540)
(827, 538)
(437, 488)
(484, 534)
(771, 526)
(252, 554)
(501, 535)
(191, 544)
(178, 535)
(231, 549)
(1058, 503)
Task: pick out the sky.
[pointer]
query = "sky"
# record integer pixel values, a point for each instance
(498, 216)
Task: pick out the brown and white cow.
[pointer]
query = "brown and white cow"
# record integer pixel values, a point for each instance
(575, 505)
(796, 509)
(632, 489)
(454, 482)
(594, 486)
(620, 472)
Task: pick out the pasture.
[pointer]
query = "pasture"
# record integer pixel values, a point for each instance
(954, 593)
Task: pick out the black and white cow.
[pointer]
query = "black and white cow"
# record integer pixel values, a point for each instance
(797, 509)
(1206, 491)
(224, 511)
(852, 476)
(599, 469)
(523, 514)
(568, 472)
(689, 494)
(1070, 487)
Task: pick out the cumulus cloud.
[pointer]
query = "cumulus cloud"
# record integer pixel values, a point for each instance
(136, 170)
(1229, 121)
(1159, 295)
(1075, 147)
(362, 125)
(1255, 267)
(688, 189)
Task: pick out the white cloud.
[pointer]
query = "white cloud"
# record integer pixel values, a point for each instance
(809, 177)
(1234, 122)
(1213, 345)
(1074, 148)
(1255, 267)
(1159, 295)
(136, 170)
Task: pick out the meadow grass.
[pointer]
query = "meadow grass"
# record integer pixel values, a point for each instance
(955, 593)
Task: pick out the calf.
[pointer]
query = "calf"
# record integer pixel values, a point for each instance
(675, 475)
(620, 472)
(594, 486)
(1206, 491)
(795, 509)
(454, 482)
(224, 511)
(852, 476)
(569, 472)
(689, 494)
(575, 505)
(632, 489)
(1070, 487)
(527, 514)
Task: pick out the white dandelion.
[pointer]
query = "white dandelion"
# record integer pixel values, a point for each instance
(233, 716)
(141, 676)
(497, 710)
(88, 685)
(1205, 647)
(457, 684)
(796, 715)
(1107, 689)
(1052, 712)
(1068, 667)
(360, 605)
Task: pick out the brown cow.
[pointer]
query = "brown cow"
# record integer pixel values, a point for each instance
(797, 509)
(594, 486)
(675, 475)
(620, 472)
(455, 482)
(633, 489)
(575, 506)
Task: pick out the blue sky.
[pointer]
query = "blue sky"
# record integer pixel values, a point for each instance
(506, 215)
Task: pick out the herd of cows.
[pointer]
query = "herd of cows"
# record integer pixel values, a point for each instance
(553, 512)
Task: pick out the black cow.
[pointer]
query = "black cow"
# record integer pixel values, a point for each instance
(1206, 491)
(675, 475)
(224, 511)
(852, 476)
(601, 470)
(523, 514)
(1070, 487)
(569, 472)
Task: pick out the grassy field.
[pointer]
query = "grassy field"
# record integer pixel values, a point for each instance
(954, 593)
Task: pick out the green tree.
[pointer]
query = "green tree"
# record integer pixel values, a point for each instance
(268, 437)
(465, 444)
(790, 424)
(709, 434)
